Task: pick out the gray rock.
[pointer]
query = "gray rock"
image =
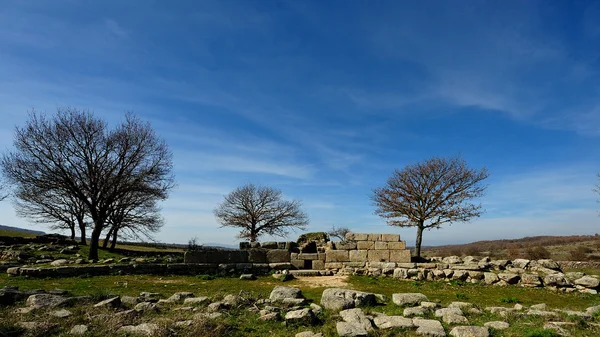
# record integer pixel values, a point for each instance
(303, 317)
(392, 322)
(59, 262)
(247, 277)
(79, 330)
(46, 301)
(196, 300)
(542, 313)
(415, 311)
(593, 310)
(279, 293)
(207, 315)
(502, 311)
(345, 329)
(521, 263)
(452, 318)
(216, 306)
(408, 298)
(112, 302)
(179, 297)
(292, 302)
(429, 327)
(490, 278)
(461, 305)
(531, 280)
(452, 260)
(45, 327)
(340, 299)
(550, 264)
(317, 309)
(497, 325)
(269, 316)
(556, 280)
(130, 300)
(62, 313)
(232, 300)
(149, 297)
(357, 317)
(446, 311)
(470, 331)
(573, 275)
(540, 306)
(509, 278)
(146, 307)
(581, 314)
(587, 281)
(144, 329)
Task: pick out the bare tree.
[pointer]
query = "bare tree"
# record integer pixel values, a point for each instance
(338, 232)
(61, 210)
(73, 153)
(259, 210)
(429, 194)
(133, 217)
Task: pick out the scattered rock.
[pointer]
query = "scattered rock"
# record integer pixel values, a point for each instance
(497, 325)
(429, 327)
(130, 300)
(470, 331)
(357, 317)
(279, 293)
(340, 299)
(587, 281)
(345, 329)
(447, 311)
(59, 262)
(144, 329)
(38, 328)
(46, 301)
(248, 277)
(404, 299)
(62, 313)
(179, 297)
(113, 302)
(79, 330)
(309, 334)
(146, 307)
(415, 311)
(452, 318)
(392, 322)
(196, 300)
(303, 317)
(541, 306)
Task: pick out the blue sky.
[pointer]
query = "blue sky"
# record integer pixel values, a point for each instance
(323, 99)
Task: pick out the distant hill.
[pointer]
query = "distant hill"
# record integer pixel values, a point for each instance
(20, 230)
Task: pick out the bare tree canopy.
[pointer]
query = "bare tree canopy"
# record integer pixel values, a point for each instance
(3, 191)
(429, 194)
(75, 154)
(338, 232)
(259, 210)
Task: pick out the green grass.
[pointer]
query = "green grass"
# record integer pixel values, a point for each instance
(7, 232)
(240, 322)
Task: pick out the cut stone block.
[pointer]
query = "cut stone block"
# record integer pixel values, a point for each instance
(277, 255)
(381, 245)
(318, 265)
(378, 255)
(345, 245)
(397, 245)
(337, 256)
(308, 256)
(365, 245)
(399, 256)
(390, 237)
(333, 265)
(358, 255)
(374, 237)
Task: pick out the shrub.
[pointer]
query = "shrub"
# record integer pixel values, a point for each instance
(537, 253)
(541, 333)
(193, 245)
(579, 254)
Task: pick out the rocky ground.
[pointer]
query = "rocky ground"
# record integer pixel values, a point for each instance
(285, 312)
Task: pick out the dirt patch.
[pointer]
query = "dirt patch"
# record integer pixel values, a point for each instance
(324, 281)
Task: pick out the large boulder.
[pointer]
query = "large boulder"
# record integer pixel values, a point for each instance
(587, 281)
(429, 327)
(46, 301)
(356, 316)
(279, 293)
(470, 331)
(340, 299)
(303, 317)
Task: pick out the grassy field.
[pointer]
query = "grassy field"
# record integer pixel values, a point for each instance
(242, 323)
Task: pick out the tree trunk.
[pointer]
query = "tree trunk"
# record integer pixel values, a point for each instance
(107, 239)
(81, 223)
(94, 241)
(419, 240)
(72, 228)
(114, 239)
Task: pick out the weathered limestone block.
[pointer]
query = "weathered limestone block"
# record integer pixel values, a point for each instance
(257, 256)
(399, 256)
(357, 236)
(365, 245)
(298, 264)
(345, 245)
(490, 278)
(587, 281)
(337, 256)
(358, 255)
(381, 245)
(321, 256)
(400, 245)
(379, 256)
(374, 237)
(357, 264)
(278, 255)
(333, 265)
(390, 237)
(308, 256)
(401, 273)
(531, 280)
(318, 265)
(509, 278)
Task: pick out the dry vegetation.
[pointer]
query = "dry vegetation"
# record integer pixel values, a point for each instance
(560, 248)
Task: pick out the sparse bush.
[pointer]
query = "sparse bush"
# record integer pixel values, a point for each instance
(514, 252)
(193, 245)
(579, 254)
(537, 253)
(471, 251)
(338, 232)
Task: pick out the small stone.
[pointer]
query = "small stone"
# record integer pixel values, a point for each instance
(308, 334)
(62, 313)
(497, 325)
(452, 318)
(345, 329)
(392, 322)
(196, 300)
(247, 277)
(447, 311)
(303, 316)
(541, 306)
(113, 302)
(415, 311)
(279, 293)
(470, 331)
(144, 329)
(270, 316)
(429, 327)
(79, 330)
(146, 307)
